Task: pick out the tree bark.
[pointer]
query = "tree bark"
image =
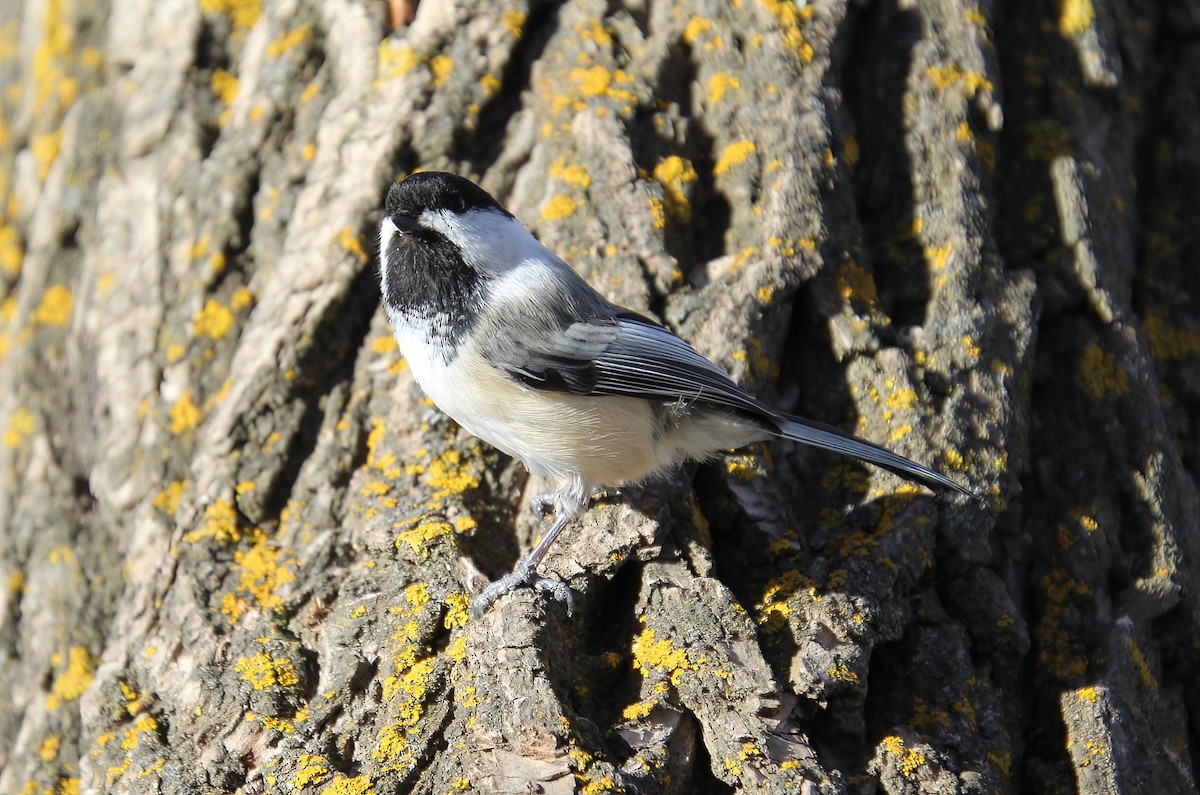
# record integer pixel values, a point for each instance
(238, 544)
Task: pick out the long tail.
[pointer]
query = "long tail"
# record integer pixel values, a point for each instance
(827, 437)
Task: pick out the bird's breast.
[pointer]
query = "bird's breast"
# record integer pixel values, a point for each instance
(593, 440)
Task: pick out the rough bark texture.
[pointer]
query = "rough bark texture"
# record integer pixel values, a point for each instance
(237, 544)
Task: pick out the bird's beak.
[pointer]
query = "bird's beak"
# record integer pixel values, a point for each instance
(405, 223)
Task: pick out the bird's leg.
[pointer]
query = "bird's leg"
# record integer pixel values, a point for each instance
(526, 574)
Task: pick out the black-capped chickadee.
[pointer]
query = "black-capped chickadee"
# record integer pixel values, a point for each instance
(520, 351)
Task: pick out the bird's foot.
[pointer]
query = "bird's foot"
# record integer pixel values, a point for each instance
(519, 577)
(609, 493)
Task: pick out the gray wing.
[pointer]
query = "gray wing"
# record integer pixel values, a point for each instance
(627, 354)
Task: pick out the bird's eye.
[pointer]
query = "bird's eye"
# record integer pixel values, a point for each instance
(458, 204)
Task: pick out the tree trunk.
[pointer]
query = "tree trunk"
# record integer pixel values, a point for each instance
(238, 544)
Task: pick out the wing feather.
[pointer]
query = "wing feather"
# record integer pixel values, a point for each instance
(633, 356)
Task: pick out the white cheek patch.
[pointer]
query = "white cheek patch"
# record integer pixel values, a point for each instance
(491, 241)
(439, 221)
(523, 283)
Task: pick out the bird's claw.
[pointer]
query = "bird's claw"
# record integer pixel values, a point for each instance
(557, 589)
(542, 504)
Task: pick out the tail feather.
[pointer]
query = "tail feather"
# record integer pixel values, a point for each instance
(827, 437)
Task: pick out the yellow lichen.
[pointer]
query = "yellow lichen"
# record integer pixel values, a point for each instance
(263, 671)
(742, 467)
(842, 673)
(514, 21)
(594, 81)
(490, 85)
(938, 258)
(910, 758)
(558, 207)
(61, 554)
(417, 595)
(639, 709)
(658, 214)
(651, 654)
(263, 572)
(20, 427)
(695, 27)
(773, 609)
(293, 38)
(946, 75)
(345, 785)
(224, 85)
(133, 736)
(458, 610)
(408, 686)
(719, 84)
(311, 770)
(241, 298)
(395, 61)
(1140, 663)
(422, 534)
(856, 284)
(600, 785)
(1169, 342)
(278, 724)
(53, 88)
(350, 242)
(115, 772)
(243, 13)
(1075, 16)
(447, 476)
(788, 16)
(167, 500)
(732, 155)
(184, 415)
(220, 523)
(55, 307)
(571, 174)
(12, 255)
(673, 173)
(1099, 375)
(72, 682)
(384, 345)
(374, 488)
(45, 149)
(440, 66)
(213, 321)
(49, 750)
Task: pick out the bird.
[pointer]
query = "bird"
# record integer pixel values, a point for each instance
(519, 350)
